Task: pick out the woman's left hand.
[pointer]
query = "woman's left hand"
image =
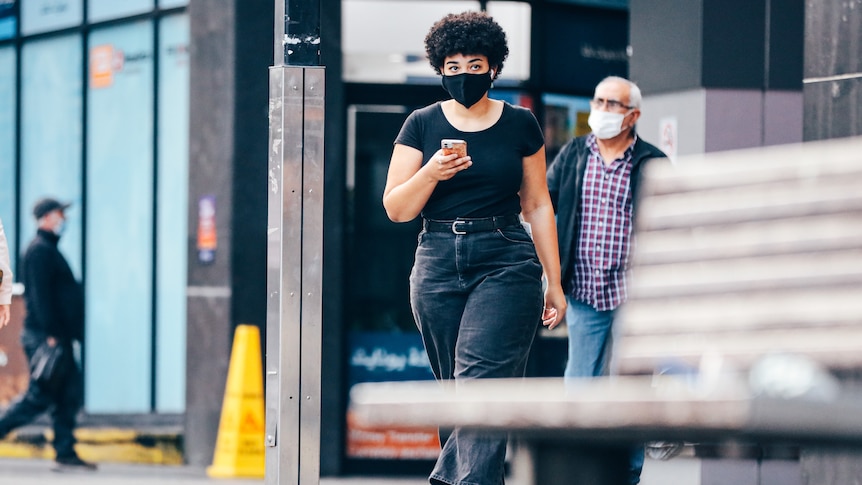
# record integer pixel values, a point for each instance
(554, 311)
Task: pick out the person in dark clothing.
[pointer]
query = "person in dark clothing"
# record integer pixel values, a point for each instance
(476, 284)
(593, 183)
(55, 314)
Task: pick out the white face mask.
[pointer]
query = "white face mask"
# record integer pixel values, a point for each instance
(605, 124)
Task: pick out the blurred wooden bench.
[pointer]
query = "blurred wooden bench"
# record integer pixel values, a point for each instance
(739, 256)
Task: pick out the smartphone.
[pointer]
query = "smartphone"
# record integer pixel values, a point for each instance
(451, 146)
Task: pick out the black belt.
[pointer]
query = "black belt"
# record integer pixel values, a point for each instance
(465, 226)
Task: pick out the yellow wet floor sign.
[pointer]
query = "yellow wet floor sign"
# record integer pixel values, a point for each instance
(239, 450)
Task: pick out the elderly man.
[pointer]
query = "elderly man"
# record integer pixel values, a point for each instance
(593, 183)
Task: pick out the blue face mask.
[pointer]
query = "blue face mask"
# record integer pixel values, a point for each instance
(60, 227)
(467, 89)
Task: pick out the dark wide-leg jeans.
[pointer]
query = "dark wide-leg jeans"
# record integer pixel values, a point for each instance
(477, 299)
(64, 401)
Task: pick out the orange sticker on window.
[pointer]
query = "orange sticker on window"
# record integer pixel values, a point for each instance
(101, 66)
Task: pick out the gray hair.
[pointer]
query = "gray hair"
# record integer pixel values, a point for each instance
(634, 91)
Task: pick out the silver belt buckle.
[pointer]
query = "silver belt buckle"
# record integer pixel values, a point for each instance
(455, 228)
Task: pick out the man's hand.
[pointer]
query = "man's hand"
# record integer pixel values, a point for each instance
(5, 315)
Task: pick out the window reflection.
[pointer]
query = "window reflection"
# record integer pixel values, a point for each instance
(382, 40)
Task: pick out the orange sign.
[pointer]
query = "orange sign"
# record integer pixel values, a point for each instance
(404, 443)
(207, 235)
(101, 66)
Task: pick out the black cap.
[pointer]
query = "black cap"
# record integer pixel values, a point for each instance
(46, 205)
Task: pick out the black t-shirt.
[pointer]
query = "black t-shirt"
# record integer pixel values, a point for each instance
(490, 186)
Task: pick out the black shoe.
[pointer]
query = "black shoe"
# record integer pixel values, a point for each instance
(68, 463)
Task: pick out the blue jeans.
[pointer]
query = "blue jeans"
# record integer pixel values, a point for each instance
(477, 300)
(591, 341)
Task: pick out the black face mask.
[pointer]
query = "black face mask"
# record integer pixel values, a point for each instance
(467, 89)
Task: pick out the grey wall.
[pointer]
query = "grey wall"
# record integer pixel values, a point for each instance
(687, 107)
(211, 145)
(735, 44)
(728, 71)
(665, 36)
(231, 49)
(833, 69)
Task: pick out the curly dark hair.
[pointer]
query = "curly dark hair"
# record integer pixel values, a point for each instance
(466, 33)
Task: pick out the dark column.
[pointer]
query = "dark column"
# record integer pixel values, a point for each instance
(211, 124)
(251, 98)
(333, 406)
(231, 49)
(833, 69)
(725, 73)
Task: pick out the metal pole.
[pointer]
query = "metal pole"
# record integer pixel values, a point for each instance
(295, 247)
(297, 32)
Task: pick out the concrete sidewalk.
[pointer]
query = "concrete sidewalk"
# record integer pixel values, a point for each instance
(22, 471)
(18, 471)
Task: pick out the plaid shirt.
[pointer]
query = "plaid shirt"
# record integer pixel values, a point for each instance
(606, 231)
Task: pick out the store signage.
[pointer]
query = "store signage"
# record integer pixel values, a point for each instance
(45, 15)
(668, 137)
(387, 356)
(106, 61)
(595, 45)
(99, 10)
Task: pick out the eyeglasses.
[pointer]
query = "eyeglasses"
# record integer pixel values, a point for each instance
(612, 104)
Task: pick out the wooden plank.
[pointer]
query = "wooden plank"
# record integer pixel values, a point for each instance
(620, 409)
(755, 166)
(751, 203)
(832, 347)
(741, 253)
(527, 404)
(789, 310)
(752, 238)
(836, 268)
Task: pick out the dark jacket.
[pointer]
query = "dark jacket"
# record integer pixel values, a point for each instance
(565, 182)
(54, 299)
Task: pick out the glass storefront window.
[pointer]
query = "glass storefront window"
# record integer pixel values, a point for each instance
(134, 251)
(380, 326)
(8, 95)
(8, 19)
(595, 45)
(383, 40)
(172, 224)
(111, 9)
(51, 136)
(514, 17)
(46, 15)
(120, 218)
(620, 4)
(565, 118)
(172, 3)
